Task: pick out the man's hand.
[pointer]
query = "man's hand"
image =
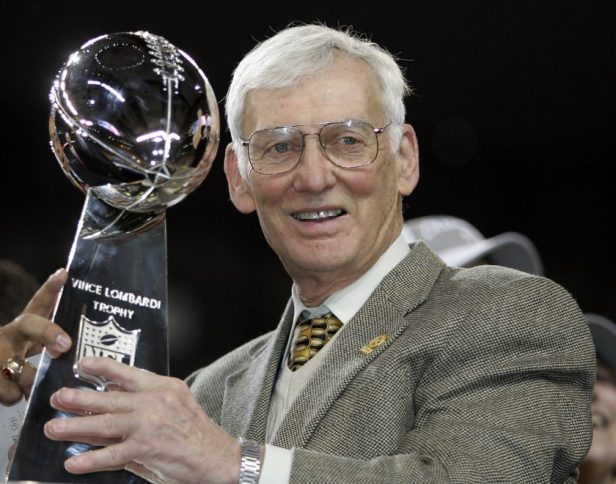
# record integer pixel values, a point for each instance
(28, 333)
(148, 424)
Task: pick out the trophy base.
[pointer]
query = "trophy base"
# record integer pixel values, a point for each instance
(113, 305)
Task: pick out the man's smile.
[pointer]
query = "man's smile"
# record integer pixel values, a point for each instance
(318, 215)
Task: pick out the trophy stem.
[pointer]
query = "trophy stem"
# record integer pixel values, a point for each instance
(114, 305)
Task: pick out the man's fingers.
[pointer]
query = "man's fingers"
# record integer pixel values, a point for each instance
(44, 300)
(27, 378)
(25, 334)
(34, 349)
(31, 330)
(93, 429)
(87, 402)
(113, 457)
(10, 392)
(127, 378)
(99, 430)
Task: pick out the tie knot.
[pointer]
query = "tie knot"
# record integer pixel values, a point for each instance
(312, 335)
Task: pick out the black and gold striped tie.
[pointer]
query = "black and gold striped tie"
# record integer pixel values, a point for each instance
(313, 334)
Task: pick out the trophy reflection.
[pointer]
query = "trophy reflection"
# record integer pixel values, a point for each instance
(134, 124)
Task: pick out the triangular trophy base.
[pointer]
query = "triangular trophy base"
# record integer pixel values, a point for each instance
(115, 305)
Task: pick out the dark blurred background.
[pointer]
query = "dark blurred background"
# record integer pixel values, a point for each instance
(514, 110)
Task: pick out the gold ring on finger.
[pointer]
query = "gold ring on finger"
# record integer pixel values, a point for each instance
(12, 368)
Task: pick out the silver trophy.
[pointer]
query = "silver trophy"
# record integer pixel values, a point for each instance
(135, 125)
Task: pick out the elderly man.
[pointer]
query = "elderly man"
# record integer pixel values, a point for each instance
(387, 365)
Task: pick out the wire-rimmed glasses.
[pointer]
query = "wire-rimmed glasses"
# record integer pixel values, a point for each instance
(347, 144)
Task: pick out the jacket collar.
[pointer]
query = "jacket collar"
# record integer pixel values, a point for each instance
(373, 329)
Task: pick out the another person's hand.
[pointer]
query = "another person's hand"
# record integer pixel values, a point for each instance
(148, 424)
(26, 335)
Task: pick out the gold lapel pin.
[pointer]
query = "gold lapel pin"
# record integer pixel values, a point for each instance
(373, 344)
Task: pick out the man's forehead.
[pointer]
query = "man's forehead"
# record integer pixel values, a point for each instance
(320, 98)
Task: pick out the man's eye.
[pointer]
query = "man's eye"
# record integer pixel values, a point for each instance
(281, 147)
(348, 140)
(344, 138)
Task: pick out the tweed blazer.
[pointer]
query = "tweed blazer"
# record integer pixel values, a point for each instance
(485, 375)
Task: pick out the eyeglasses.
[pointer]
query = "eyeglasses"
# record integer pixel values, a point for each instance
(347, 144)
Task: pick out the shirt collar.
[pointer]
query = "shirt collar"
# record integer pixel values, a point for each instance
(347, 301)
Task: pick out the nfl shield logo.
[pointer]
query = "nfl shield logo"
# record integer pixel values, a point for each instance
(107, 338)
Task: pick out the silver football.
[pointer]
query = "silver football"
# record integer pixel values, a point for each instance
(134, 120)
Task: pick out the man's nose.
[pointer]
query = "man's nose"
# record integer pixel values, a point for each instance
(317, 143)
(314, 172)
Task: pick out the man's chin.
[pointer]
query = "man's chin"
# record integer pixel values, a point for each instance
(319, 261)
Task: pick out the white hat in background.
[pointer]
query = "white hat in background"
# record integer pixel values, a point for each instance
(459, 243)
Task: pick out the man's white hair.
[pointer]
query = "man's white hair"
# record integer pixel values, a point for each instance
(298, 51)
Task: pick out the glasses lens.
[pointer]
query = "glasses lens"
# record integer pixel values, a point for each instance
(349, 143)
(275, 150)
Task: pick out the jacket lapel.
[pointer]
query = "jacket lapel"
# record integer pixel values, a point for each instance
(248, 391)
(371, 332)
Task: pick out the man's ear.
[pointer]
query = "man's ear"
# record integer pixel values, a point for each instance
(408, 161)
(239, 191)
